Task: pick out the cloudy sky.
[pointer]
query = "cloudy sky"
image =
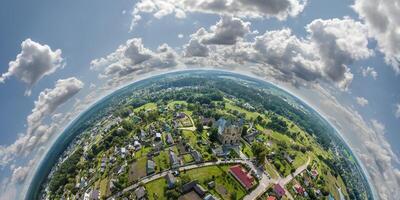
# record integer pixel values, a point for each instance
(58, 57)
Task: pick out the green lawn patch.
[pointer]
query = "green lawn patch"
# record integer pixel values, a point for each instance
(226, 184)
(156, 189)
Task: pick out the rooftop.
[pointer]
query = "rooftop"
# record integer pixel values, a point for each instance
(240, 174)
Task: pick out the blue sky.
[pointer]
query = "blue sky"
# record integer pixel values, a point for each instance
(89, 30)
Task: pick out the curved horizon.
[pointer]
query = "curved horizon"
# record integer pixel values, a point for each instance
(104, 98)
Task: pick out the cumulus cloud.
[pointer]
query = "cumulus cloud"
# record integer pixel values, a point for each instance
(381, 18)
(33, 63)
(226, 32)
(366, 138)
(280, 9)
(340, 42)
(362, 101)
(196, 49)
(324, 55)
(133, 57)
(37, 132)
(369, 71)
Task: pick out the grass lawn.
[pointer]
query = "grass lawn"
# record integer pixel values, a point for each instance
(187, 158)
(156, 189)
(246, 149)
(249, 115)
(104, 187)
(147, 106)
(271, 170)
(299, 160)
(162, 161)
(173, 103)
(137, 169)
(142, 152)
(191, 137)
(225, 183)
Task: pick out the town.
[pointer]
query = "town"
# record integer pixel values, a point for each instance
(210, 146)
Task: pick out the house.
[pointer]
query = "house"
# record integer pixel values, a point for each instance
(91, 194)
(197, 156)
(158, 136)
(142, 135)
(288, 158)
(219, 152)
(211, 184)
(193, 185)
(123, 152)
(200, 190)
(150, 167)
(169, 140)
(180, 115)
(244, 178)
(314, 173)
(207, 121)
(137, 145)
(279, 190)
(229, 133)
(271, 198)
(173, 160)
(171, 180)
(299, 190)
(103, 164)
(210, 197)
(140, 193)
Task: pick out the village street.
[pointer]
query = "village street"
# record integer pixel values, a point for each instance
(150, 178)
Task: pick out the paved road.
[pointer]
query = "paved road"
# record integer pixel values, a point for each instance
(147, 179)
(300, 169)
(266, 181)
(290, 177)
(263, 182)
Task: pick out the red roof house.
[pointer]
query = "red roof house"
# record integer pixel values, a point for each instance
(245, 179)
(299, 189)
(271, 198)
(279, 190)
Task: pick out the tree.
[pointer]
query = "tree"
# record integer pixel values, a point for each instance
(172, 194)
(259, 151)
(199, 126)
(213, 135)
(244, 130)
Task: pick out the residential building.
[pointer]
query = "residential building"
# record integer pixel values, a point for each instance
(171, 180)
(140, 193)
(279, 190)
(173, 159)
(210, 197)
(150, 167)
(169, 139)
(197, 156)
(244, 178)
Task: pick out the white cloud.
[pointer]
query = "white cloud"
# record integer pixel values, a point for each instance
(33, 63)
(180, 35)
(340, 42)
(37, 132)
(280, 9)
(362, 101)
(397, 111)
(382, 19)
(227, 31)
(367, 139)
(324, 55)
(134, 58)
(369, 71)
